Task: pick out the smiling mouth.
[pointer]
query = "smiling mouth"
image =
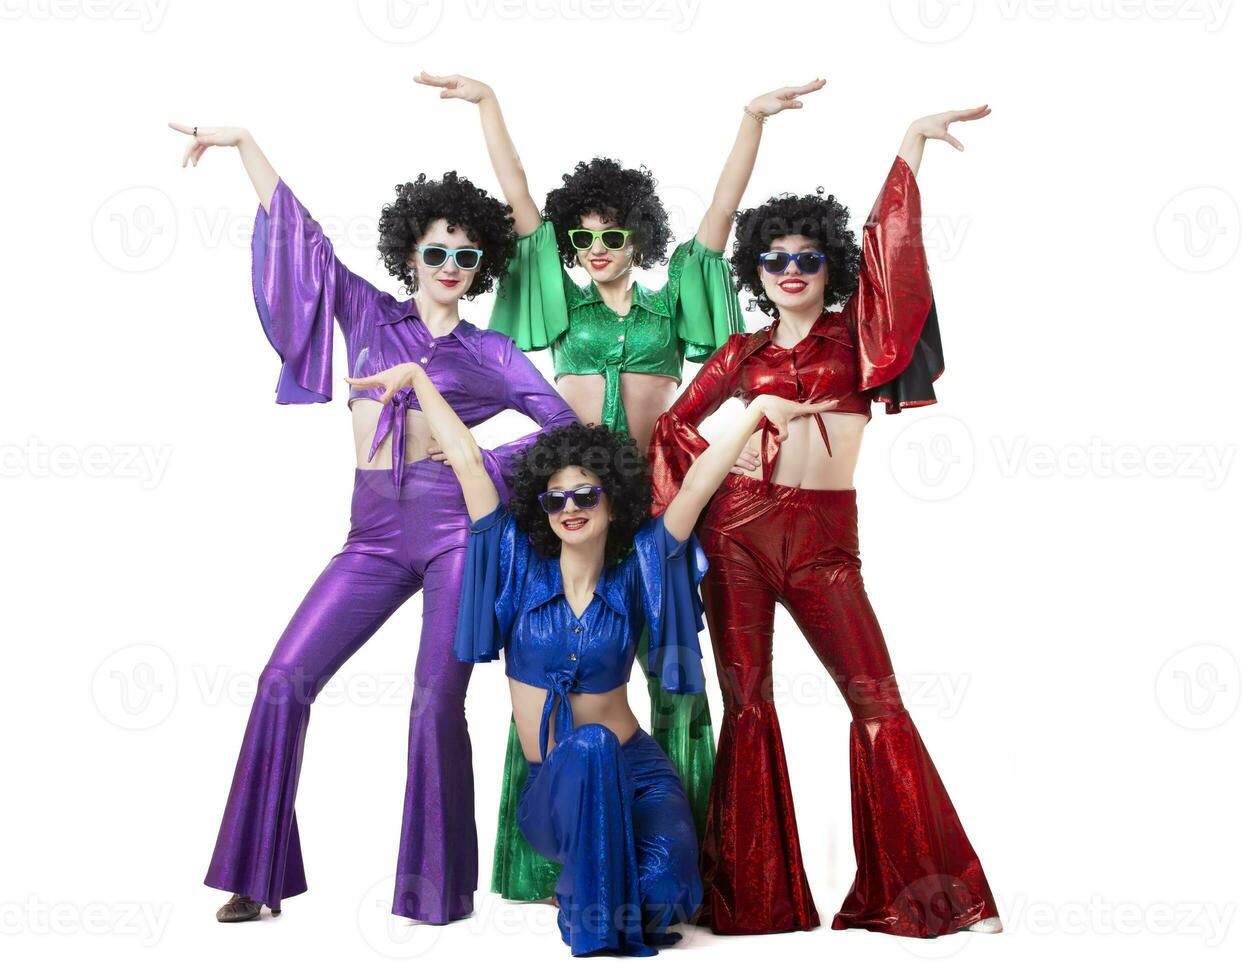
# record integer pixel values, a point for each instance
(600, 263)
(445, 281)
(573, 523)
(792, 285)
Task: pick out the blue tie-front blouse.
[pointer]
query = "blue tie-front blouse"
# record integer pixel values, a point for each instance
(512, 597)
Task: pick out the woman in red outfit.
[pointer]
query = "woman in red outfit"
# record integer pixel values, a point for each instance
(788, 533)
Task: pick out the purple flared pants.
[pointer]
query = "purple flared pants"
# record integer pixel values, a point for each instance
(396, 546)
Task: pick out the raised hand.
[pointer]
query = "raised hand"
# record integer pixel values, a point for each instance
(713, 230)
(724, 454)
(436, 452)
(202, 137)
(778, 100)
(747, 462)
(781, 411)
(936, 127)
(392, 380)
(500, 149)
(261, 173)
(456, 86)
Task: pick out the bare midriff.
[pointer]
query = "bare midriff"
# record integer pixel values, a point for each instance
(366, 413)
(610, 709)
(645, 396)
(804, 461)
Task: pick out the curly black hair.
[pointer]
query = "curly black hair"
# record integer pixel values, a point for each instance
(823, 219)
(455, 199)
(622, 470)
(622, 194)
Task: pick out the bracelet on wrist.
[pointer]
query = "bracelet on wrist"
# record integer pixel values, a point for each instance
(759, 117)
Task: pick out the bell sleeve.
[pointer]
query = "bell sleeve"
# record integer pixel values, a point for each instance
(497, 555)
(529, 392)
(532, 302)
(669, 573)
(300, 287)
(675, 440)
(892, 311)
(702, 299)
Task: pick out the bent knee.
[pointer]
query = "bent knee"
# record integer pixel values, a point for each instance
(591, 739)
(873, 697)
(672, 892)
(280, 684)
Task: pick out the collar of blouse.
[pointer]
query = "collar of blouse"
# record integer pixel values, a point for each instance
(546, 585)
(642, 298)
(830, 325)
(390, 311)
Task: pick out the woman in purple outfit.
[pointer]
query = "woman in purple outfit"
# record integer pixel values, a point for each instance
(445, 240)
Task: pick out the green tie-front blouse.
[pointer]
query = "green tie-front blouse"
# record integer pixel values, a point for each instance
(540, 305)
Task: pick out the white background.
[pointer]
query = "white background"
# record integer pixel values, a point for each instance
(1051, 549)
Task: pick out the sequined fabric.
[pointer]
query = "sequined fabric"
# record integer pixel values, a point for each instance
(883, 346)
(408, 532)
(540, 305)
(615, 817)
(518, 873)
(395, 548)
(513, 598)
(767, 544)
(917, 873)
(301, 288)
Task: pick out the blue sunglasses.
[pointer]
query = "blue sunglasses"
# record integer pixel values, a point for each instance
(553, 501)
(808, 263)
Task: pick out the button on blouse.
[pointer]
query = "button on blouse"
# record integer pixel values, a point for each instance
(883, 346)
(513, 598)
(540, 305)
(301, 288)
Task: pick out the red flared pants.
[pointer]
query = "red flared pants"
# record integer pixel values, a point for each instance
(917, 873)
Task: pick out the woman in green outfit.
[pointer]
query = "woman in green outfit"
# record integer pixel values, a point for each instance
(617, 349)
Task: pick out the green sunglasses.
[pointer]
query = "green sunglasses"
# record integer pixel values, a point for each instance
(435, 256)
(614, 239)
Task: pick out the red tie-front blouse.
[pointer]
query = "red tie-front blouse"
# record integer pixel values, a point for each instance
(884, 345)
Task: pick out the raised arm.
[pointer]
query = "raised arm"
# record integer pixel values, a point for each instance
(892, 311)
(528, 392)
(300, 287)
(714, 228)
(707, 472)
(935, 127)
(504, 155)
(455, 439)
(261, 173)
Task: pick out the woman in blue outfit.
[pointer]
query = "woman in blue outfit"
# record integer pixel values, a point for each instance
(564, 580)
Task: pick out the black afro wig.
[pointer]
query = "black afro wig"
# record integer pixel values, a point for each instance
(455, 199)
(615, 193)
(823, 219)
(615, 459)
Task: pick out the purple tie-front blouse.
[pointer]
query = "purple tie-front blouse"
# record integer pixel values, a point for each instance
(300, 287)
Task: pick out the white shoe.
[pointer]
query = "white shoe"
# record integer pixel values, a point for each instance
(992, 925)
